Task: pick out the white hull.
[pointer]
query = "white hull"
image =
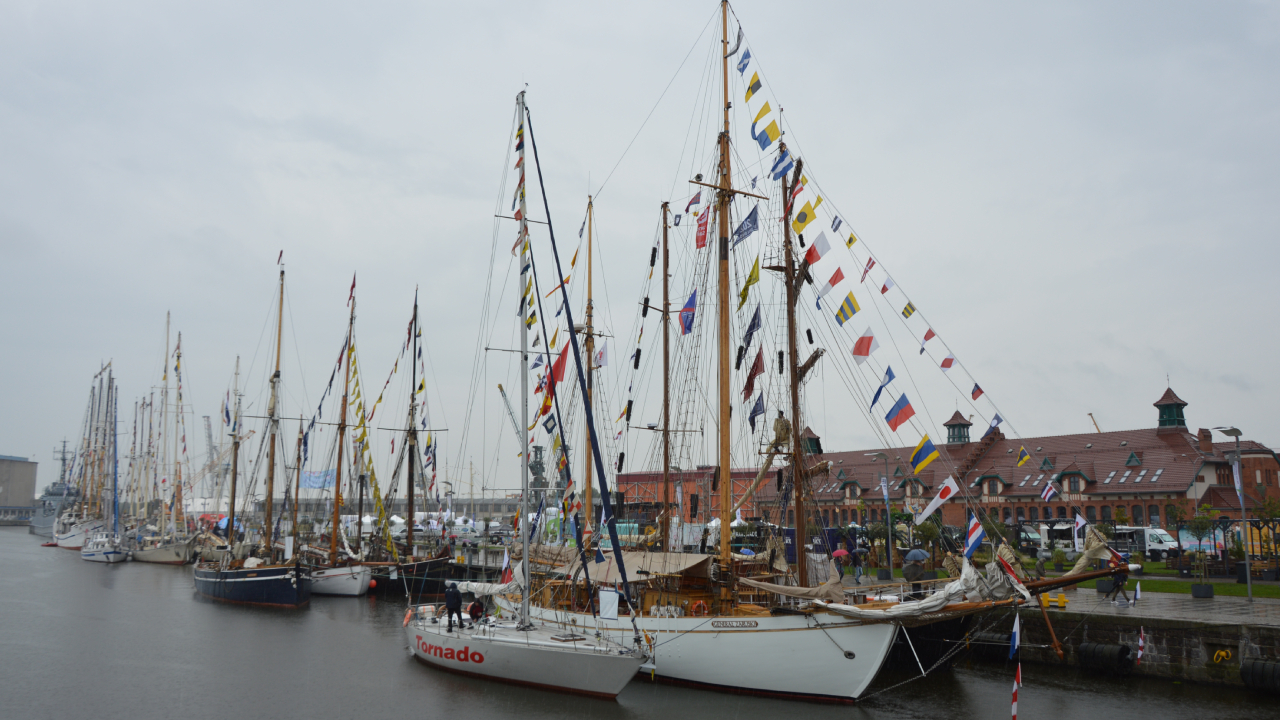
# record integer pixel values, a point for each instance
(103, 549)
(350, 581)
(532, 658)
(170, 553)
(806, 657)
(78, 534)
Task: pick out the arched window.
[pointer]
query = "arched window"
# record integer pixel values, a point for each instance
(826, 517)
(844, 516)
(1153, 515)
(1091, 514)
(1021, 514)
(791, 518)
(1048, 513)
(1106, 513)
(1168, 513)
(1062, 512)
(1137, 516)
(1035, 513)
(1006, 515)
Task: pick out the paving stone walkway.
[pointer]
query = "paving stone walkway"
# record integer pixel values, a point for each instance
(1170, 606)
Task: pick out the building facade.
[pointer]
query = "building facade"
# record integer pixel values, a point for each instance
(17, 489)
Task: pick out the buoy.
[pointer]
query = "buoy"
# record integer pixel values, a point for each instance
(372, 583)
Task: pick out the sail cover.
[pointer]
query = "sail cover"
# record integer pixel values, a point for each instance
(968, 584)
(831, 591)
(478, 588)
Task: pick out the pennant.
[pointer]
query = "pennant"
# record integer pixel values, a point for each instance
(948, 490)
(736, 45)
(836, 278)
(900, 413)
(888, 283)
(1017, 683)
(973, 539)
(805, 216)
(924, 454)
(782, 165)
(352, 296)
(928, 335)
(506, 568)
(1014, 638)
(948, 361)
(701, 239)
(1048, 492)
(743, 61)
(888, 378)
(584, 227)
(1023, 457)
(768, 136)
(977, 391)
(686, 313)
(870, 264)
(752, 278)
(908, 311)
(754, 87)
(994, 422)
(847, 310)
(695, 200)
(865, 345)
(1142, 632)
(756, 412)
(752, 327)
(749, 225)
(757, 369)
(817, 249)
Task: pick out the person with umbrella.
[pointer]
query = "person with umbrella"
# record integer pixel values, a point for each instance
(841, 558)
(914, 570)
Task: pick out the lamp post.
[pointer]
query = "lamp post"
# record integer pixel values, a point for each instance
(888, 511)
(1244, 519)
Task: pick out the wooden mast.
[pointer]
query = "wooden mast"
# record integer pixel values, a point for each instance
(590, 348)
(297, 487)
(666, 390)
(274, 424)
(235, 463)
(413, 431)
(797, 451)
(342, 436)
(724, 196)
(525, 258)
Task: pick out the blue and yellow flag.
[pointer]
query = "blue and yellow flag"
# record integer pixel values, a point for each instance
(924, 454)
(848, 309)
(909, 310)
(770, 134)
(754, 87)
(1023, 457)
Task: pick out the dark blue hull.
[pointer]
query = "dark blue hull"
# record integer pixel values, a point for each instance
(272, 586)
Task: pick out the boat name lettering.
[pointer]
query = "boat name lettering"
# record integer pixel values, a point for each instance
(463, 655)
(734, 623)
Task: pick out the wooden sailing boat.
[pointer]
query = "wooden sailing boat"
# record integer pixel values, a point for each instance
(84, 518)
(550, 656)
(256, 579)
(104, 546)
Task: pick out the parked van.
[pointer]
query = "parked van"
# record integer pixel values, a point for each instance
(1154, 543)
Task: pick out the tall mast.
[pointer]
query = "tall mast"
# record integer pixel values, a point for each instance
(235, 462)
(175, 483)
(666, 391)
(115, 459)
(413, 432)
(342, 436)
(724, 196)
(297, 486)
(522, 526)
(590, 347)
(164, 425)
(274, 423)
(797, 451)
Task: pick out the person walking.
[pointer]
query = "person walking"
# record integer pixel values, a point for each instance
(1040, 567)
(453, 605)
(857, 566)
(1118, 589)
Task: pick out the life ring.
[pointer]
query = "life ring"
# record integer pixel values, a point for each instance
(694, 610)
(407, 614)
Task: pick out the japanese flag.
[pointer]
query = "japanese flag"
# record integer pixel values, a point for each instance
(948, 490)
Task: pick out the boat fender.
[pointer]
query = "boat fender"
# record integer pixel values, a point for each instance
(408, 613)
(1261, 675)
(695, 609)
(1105, 657)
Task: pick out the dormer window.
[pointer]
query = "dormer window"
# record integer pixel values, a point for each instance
(993, 487)
(1073, 484)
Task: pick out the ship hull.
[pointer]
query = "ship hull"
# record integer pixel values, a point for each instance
(171, 553)
(284, 586)
(78, 534)
(351, 581)
(820, 657)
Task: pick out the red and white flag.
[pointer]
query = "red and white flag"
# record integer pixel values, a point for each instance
(817, 249)
(506, 567)
(870, 264)
(1017, 683)
(948, 490)
(1142, 643)
(888, 283)
(702, 230)
(865, 345)
(948, 361)
(836, 279)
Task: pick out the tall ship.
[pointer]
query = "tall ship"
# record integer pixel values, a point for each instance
(104, 545)
(89, 472)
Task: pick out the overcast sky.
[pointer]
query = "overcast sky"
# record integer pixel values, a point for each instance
(1081, 196)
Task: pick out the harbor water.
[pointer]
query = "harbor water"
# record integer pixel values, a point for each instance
(81, 639)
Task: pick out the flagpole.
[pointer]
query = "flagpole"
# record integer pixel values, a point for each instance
(590, 350)
(725, 195)
(524, 396)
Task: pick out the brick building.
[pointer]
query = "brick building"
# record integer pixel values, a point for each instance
(642, 492)
(1142, 472)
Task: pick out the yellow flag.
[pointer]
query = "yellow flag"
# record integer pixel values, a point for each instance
(805, 216)
(752, 279)
(754, 87)
(554, 335)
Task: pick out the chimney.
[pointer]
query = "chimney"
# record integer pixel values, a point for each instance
(1206, 441)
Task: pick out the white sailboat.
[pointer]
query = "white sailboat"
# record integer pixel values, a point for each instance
(105, 546)
(546, 655)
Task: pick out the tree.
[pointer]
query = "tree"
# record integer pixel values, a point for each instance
(928, 533)
(877, 532)
(1200, 527)
(1268, 512)
(1122, 516)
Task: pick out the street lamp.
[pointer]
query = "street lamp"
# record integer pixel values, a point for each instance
(888, 511)
(1248, 571)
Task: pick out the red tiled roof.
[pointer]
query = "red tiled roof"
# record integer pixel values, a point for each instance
(1170, 398)
(1221, 497)
(956, 419)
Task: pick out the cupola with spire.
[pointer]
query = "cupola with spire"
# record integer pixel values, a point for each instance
(957, 429)
(1170, 407)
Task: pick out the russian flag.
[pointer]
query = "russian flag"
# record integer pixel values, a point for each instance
(973, 540)
(900, 413)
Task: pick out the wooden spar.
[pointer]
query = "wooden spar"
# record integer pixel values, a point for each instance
(797, 450)
(268, 532)
(590, 348)
(235, 462)
(726, 183)
(413, 428)
(666, 391)
(297, 487)
(164, 423)
(1053, 637)
(342, 436)
(523, 427)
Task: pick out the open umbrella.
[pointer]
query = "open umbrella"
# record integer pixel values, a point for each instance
(917, 555)
(840, 553)
(860, 551)
(748, 551)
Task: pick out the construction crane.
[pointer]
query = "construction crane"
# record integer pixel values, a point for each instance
(1095, 423)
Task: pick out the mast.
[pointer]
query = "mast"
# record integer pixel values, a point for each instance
(164, 424)
(235, 463)
(342, 435)
(413, 432)
(522, 526)
(297, 487)
(797, 452)
(115, 458)
(666, 390)
(274, 423)
(590, 346)
(724, 196)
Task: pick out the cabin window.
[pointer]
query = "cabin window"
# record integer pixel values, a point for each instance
(1091, 514)
(1109, 478)
(1157, 475)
